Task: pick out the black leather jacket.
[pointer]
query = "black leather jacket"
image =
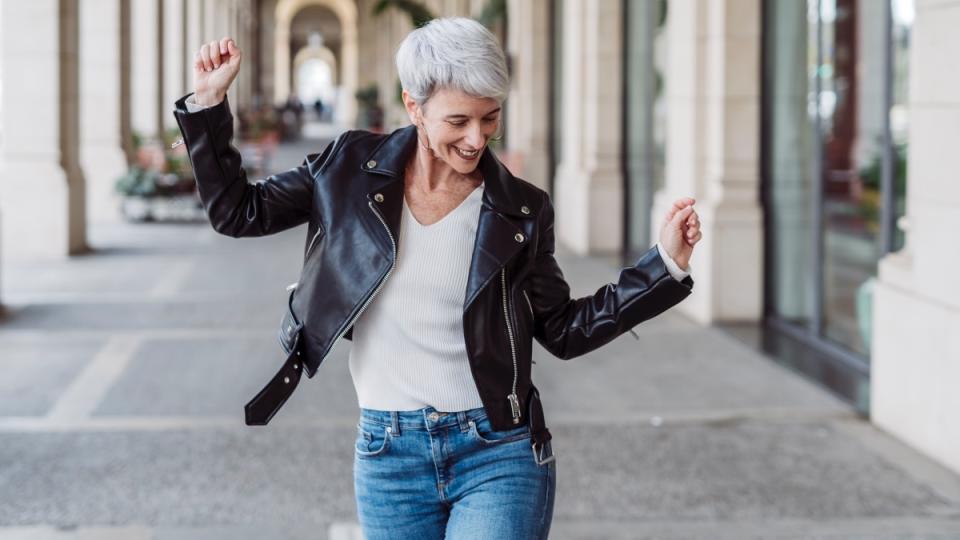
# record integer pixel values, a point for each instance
(349, 195)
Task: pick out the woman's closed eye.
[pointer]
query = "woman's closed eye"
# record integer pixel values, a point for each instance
(461, 123)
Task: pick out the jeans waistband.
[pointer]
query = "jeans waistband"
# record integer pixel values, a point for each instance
(427, 418)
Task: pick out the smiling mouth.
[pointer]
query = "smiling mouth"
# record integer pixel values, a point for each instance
(465, 154)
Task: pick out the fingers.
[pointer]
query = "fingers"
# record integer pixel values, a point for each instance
(233, 51)
(693, 234)
(214, 48)
(205, 57)
(678, 205)
(215, 53)
(680, 217)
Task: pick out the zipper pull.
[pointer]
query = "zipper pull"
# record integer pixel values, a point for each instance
(176, 143)
(635, 335)
(293, 285)
(514, 407)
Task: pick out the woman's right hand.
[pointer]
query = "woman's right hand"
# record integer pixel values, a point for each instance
(214, 68)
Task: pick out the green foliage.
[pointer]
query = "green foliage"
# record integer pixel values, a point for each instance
(492, 12)
(137, 139)
(869, 206)
(368, 95)
(871, 173)
(137, 182)
(418, 13)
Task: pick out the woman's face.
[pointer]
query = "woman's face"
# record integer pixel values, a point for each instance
(455, 125)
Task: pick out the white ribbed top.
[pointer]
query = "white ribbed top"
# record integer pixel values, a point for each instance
(408, 349)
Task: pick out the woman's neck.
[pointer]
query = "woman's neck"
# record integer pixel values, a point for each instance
(432, 174)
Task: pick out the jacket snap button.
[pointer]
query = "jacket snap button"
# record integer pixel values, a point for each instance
(286, 380)
(378, 197)
(371, 164)
(518, 237)
(524, 209)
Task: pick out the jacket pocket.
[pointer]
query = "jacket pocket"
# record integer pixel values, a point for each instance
(290, 326)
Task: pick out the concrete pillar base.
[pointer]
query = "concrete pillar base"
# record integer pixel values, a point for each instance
(102, 166)
(914, 368)
(44, 230)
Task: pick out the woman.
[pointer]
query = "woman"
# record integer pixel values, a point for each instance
(438, 264)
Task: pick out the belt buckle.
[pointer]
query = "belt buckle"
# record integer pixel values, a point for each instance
(538, 458)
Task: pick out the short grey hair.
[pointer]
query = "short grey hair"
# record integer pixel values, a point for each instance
(456, 53)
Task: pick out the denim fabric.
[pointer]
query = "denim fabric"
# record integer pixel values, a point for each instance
(428, 474)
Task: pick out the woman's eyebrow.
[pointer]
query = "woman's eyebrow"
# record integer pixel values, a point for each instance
(464, 116)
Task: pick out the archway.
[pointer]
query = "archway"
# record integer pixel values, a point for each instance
(346, 12)
(315, 75)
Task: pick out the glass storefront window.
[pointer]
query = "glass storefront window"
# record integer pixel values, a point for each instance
(835, 121)
(644, 126)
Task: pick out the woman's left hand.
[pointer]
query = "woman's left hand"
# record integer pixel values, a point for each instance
(680, 231)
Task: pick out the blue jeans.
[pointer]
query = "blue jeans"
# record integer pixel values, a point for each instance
(427, 475)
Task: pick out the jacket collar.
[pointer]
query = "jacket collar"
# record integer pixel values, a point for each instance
(502, 231)
(500, 192)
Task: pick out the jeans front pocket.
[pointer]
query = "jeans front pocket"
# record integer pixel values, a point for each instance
(372, 440)
(484, 432)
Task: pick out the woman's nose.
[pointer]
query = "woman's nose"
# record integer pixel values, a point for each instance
(475, 137)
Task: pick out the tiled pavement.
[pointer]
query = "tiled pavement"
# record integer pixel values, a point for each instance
(123, 375)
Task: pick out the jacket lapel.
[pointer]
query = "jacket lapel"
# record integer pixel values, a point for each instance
(505, 223)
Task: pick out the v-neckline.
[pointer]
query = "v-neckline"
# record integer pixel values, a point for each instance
(445, 216)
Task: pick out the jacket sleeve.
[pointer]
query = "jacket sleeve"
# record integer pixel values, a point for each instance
(234, 206)
(569, 327)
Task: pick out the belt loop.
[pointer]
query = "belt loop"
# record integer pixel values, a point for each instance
(462, 420)
(395, 422)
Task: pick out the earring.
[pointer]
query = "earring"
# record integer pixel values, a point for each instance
(420, 128)
(498, 137)
(427, 147)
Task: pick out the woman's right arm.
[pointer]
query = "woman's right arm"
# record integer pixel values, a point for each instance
(234, 206)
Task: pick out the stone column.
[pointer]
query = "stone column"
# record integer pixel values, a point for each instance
(367, 32)
(42, 192)
(528, 109)
(916, 345)
(147, 47)
(244, 35)
(228, 17)
(102, 102)
(713, 106)
(174, 58)
(589, 184)
(267, 26)
(195, 39)
(281, 65)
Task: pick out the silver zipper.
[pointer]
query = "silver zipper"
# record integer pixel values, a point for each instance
(529, 303)
(312, 240)
(293, 285)
(379, 286)
(514, 401)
